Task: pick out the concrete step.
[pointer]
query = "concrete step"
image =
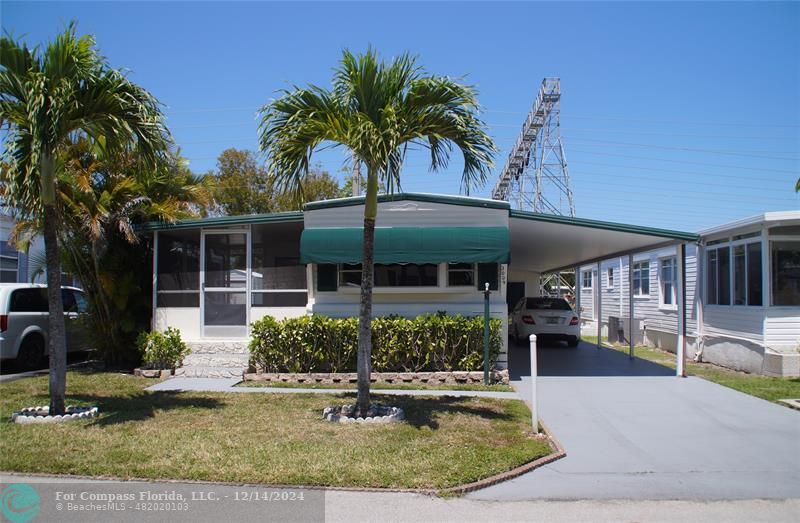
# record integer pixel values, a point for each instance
(218, 346)
(209, 372)
(199, 359)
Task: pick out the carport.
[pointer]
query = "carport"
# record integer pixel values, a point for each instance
(543, 243)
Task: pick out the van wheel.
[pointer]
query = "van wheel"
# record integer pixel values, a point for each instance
(31, 352)
(573, 341)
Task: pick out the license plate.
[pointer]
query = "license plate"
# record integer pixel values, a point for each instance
(551, 321)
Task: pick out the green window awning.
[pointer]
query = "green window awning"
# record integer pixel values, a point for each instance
(407, 245)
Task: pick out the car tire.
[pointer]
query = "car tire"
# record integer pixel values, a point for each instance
(31, 352)
(573, 341)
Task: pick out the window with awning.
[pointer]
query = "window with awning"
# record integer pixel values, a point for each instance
(419, 245)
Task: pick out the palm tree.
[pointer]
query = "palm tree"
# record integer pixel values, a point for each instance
(47, 99)
(375, 110)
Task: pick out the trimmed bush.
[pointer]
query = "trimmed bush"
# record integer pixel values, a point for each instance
(162, 350)
(429, 343)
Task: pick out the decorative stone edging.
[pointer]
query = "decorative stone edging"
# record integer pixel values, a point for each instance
(376, 414)
(153, 373)
(41, 415)
(431, 378)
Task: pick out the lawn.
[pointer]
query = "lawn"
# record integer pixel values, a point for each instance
(764, 387)
(262, 438)
(381, 386)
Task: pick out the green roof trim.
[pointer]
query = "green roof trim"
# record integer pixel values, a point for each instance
(610, 226)
(409, 196)
(407, 245)
(223, 221)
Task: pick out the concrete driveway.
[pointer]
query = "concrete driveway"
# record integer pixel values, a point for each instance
(651, 435)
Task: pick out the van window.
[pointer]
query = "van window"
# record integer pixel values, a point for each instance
(28, 300)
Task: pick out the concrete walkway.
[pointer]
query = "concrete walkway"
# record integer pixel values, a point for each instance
(229, 385)
(656, 437)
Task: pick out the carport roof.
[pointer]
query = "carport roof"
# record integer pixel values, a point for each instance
(546, 243)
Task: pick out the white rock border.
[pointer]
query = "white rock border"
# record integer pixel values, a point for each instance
(381, 414)
(41, 414)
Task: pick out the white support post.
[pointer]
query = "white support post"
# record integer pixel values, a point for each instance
(578, 288)
(155, 282)
(630, 306)
(680, 351)
(534, 392)
(599, 305)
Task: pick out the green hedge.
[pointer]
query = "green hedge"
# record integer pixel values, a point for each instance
(434, 342)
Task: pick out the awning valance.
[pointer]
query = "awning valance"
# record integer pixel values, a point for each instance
(407, 245)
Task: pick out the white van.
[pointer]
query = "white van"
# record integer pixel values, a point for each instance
(23, 322)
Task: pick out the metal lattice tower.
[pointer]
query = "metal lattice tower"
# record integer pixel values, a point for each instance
(535, 176)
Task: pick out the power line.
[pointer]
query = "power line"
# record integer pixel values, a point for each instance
(795, 173)
(688, 149)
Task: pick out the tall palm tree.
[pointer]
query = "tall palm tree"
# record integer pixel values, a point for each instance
(47, 99)
(376, 110)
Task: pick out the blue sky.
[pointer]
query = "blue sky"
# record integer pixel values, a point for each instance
(679, 115)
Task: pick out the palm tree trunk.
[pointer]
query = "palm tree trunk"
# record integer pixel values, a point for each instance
(57, 346)
(364, 356)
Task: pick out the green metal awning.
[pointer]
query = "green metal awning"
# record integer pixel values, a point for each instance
(407, 245)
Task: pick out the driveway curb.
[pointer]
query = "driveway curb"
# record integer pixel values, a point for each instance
(558, 453)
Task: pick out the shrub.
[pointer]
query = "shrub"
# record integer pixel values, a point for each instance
(434, 342)
(162, 350)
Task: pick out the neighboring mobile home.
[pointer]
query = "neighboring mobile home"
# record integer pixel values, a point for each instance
(747, 313)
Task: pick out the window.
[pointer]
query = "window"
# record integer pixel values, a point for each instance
(29, 300)
(178, 267)
(785, 272)
(277, 279)
(747, 274)
(610, 278)
(586, 280)
(392, 275)
(668, 281)
(553, 304)
(460, 275)
(641, 278)
(733, 273)
(718, 273)
(8, 269)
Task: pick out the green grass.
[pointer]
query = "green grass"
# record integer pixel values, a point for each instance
(380, 386)
(764, 387)
(262, 438)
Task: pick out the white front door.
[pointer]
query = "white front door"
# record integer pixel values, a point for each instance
(225, 283)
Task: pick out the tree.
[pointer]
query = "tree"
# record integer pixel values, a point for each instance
(47, 99)
(317, 185)
(375, 110)
(245, 187)
(103, 198)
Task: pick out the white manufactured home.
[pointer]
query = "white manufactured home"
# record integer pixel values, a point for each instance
(742, 292)
(213, 277)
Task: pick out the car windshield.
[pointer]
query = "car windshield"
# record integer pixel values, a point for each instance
(554, 304)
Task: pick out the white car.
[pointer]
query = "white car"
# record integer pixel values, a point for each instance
(23, 322)
(548, 318)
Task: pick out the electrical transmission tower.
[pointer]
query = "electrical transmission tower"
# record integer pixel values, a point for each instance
(535, 176)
